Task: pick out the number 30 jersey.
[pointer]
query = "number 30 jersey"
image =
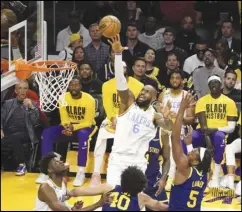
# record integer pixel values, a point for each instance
(188, 195)
(134, 130)
(122, 201)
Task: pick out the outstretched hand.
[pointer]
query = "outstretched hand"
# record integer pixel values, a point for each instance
(188, 100)
(116, 44)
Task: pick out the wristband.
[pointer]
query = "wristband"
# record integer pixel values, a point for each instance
(189, 148)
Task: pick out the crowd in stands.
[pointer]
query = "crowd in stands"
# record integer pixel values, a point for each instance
(163, 38)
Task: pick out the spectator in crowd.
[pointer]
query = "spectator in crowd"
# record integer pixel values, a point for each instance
(107, 72)
(161, 54)
(111, 103)
(89, 85)
(196, 60)
(225, 57)
(63, 37)
(174, 11)
(139, 69)
(131, 13)
(217, 115)
(78, 56)
(201, 75)
(151, 36)
(187, 37)
(136, 48)
(230, 78)
(96, 10)
(97, 52)
(231, 149)
(227, 31)
(75, 40)
(152, 71)
(77, 121)
(19, 117)
(172, 64)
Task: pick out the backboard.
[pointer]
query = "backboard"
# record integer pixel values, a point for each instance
(32, 34)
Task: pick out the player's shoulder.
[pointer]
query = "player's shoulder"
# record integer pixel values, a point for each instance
(87, 96)
(132, 80)
(109, 82)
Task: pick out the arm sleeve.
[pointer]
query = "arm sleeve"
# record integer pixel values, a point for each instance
(200, 106)
(62, 55)
(196, 85)
(229, 128)
(186, 67)
(34, 115)
(121, 82)
(89, 116)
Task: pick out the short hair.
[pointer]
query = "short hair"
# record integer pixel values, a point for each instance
(92, 25)
(173, 54)
(139, 59)
(170, 29)
(228, 20)
(9, 16)
(75, 77)
(132, 24)
(177, 72)
(133, 180)
(201, 41)
(211, 51)
(45, 161)
(74, 14)
(230, 71)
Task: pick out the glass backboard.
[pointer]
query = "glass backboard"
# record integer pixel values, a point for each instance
(31, 41)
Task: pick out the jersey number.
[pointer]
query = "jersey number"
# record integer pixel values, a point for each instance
(147, 156)
(121, 203)
(193, 199)
(136, 128)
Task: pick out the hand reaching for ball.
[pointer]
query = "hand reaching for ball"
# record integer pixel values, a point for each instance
(116, 44)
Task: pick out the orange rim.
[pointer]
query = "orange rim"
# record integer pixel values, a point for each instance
(24, 70)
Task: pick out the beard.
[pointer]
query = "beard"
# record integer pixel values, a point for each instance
(143, 104)
(176, 87)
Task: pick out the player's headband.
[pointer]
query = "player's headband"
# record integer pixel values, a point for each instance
(202, 152)
(214, 78)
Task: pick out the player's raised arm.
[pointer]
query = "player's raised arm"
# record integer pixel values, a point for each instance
(126, 96)
(180, 158)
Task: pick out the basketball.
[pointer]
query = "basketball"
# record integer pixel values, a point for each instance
(109, 26)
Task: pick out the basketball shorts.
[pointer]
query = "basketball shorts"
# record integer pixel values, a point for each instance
(118, 163)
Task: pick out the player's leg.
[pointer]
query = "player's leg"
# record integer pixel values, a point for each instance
(218, 140)
(84, 136)
(99, 152)
(114, 172)
(49, 136)
(230, 151)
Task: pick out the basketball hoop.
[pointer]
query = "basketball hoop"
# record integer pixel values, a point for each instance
(53, 78)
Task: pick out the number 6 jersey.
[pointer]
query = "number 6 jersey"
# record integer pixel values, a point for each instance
(188, 195)
(134, 130)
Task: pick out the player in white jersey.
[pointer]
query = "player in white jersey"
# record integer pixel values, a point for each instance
(175, 95)
(52, 194)
(136, 123)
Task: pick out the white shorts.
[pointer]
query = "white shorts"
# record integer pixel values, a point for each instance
(103, 133)
(117, 164)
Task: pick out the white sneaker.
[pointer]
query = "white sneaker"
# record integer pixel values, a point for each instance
(42, 178)
(96, 180)
(213, 183)
(79, 180)
(238, 189)
(224, 181)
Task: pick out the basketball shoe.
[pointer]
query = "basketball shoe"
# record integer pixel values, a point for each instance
(42, 178)
(21, 170)
(79, 180)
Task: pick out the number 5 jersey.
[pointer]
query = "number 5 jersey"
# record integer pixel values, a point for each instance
(188, 195)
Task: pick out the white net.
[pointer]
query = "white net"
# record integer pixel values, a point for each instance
(53, 85)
